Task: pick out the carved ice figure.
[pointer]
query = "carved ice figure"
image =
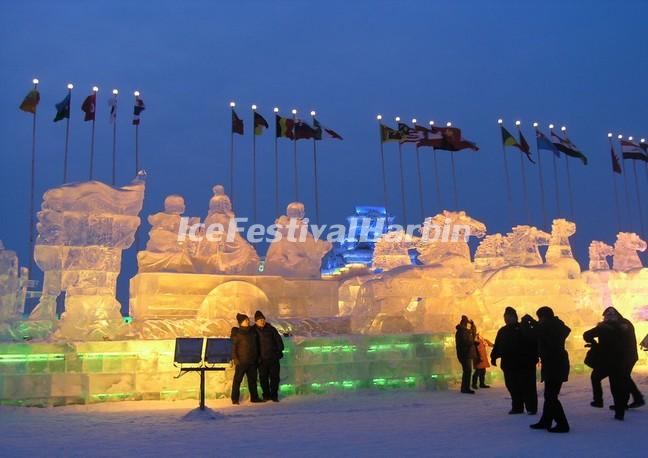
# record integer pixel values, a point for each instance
(165, 252)
(296, 253)
(227, 252)
(598, 253)
(446, 236)
(82, 230)
(559, 247)
(391, 250)
(625, 251)
(490, 253)
(521, 246)
(13, 285)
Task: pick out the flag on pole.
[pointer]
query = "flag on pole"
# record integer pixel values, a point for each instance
(409, 135)
(633, 151)
(524, 147)
(564, 145)
(237, 123)
(387, 134)
(454, 141)
(88, 107)
(112, 103)
(616, 165)
(259, 124)
(285, 127)
(63, 109)
(304, 131)
(137, 110)
(324, 132)
(508, 139)
(431, 137)
(543, 143)
(30, 102)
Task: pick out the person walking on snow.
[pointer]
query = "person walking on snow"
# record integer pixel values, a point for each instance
(481, 362)
(270, 352)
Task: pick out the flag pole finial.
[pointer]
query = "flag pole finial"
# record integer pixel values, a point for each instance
(535, 124)
(517, 123)
(379, 117)
(448, 124)
(563, 129)
(551, 126)
(232, 104)
(276, 109)
(397, 118)
(500, 121)
(609, 134)
(431, 123)
(313, 113)
(294, 111)
(643, 140)
(619, 136)
(95, 89)
(115, 91)
(413, 120)
(630, 138)
(35, 81)
(70, 86)
(254, 107)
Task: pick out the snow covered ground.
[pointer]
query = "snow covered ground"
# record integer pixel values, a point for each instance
(390, 423)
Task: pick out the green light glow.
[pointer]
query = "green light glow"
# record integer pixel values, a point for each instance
(13, 358)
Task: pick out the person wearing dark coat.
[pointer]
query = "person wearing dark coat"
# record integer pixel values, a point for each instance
(519, 357)
(270, 352)
(466, 351)
(245, 353)
(550, 333)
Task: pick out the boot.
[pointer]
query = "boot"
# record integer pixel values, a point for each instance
(559, 429)
(540, 425)
(598, 404)
(636, 403)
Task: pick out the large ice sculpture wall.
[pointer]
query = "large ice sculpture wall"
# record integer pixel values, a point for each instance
(82, 230)
(13, 285)
(300, 257)
(392, 250)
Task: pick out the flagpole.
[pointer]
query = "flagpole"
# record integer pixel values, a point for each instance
(276, 151)
(542, 192)
(114, 139)
(420, 179)
(402, 179)
(382, 160)
(625, 184)
(317, 208)
(33, 180)
(254, 174)
(556, 181)
(95, 89)
(563, 129)
(634, 168)
(231, 161)
(524, 181)
(137, 157)
(70, 86)
(508, 179)
(616, 192)
(294, 113)
(454, 175)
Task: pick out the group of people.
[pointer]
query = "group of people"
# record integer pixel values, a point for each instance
(520, 344)
(256, 348)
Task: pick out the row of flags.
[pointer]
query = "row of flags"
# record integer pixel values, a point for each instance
(32, 99)
(291, 128)
(443, 138)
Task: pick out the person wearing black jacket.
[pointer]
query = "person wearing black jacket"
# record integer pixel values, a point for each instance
(245, 354)
(466, 350)
(519, 357)
(550, 333)
(270, 352)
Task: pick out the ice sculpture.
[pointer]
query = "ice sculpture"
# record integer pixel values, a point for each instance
(598, 253)
(165, 252)
(625, 251)
(13, 285)
(392, 250)
(521, 246)
(82, 230)
(559, 247)
(447, 237)
(227, 252)
(300, 257)
(490, 253)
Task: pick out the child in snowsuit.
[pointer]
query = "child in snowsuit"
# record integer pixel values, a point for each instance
(480, 362)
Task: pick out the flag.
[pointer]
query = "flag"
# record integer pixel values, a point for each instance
(112, 103)
(644, 146)
(30, 101)
(387, 134)
(454, 141)
(543, 143)
(432, 137)
(88, 107)
(259, 124)
(508, 139)
(631, 150)
(616, 165)
(237, 123)
(564, 145)
(303, 130)
(524, 147)
(324, 132)
(63, 109)
(137, 110)
(284, 127)
(408, 134)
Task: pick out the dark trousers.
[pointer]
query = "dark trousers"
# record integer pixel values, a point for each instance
(269, 378)
(479, 374)
(521, 385)
(466, 367)
(599, 374)
(249, 371)
(552, 410)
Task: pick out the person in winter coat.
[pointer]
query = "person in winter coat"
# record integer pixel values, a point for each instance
(270, 352)
(481, 362)
(613, 354)
(519, 357)
(550, 333)
(245, 354)
(466, 351)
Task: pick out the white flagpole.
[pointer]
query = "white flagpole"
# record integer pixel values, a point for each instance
(136, 94)
(524, 181)
(625, 182)
(454, 175)
(114, 139)
(437, 183)
(508, 178)
(420, 179)
(254, 174)
(231, 161)
(542, 192)
(95, 90)
(317, 207)
(382, 160)
(641, 224)
(616, 192)
(276, 151)
(556, 180)
(563, 129)
(294, 114)
(402, 178)
(70, 86)
(33, 180)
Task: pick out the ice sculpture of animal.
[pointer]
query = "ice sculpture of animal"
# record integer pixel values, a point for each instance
(165, 251)
(227, 252)
(598, 253)
(445, 236)
(296, 253)
(13, 285)
(521, 246)
(490, 253)
(625, 251)
(391, 250)
(82, 230)
(559, 247)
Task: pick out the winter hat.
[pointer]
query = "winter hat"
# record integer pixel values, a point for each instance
(510, 311)
(241, 317)
(545, 312)
(613, 310)
(258, 315)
